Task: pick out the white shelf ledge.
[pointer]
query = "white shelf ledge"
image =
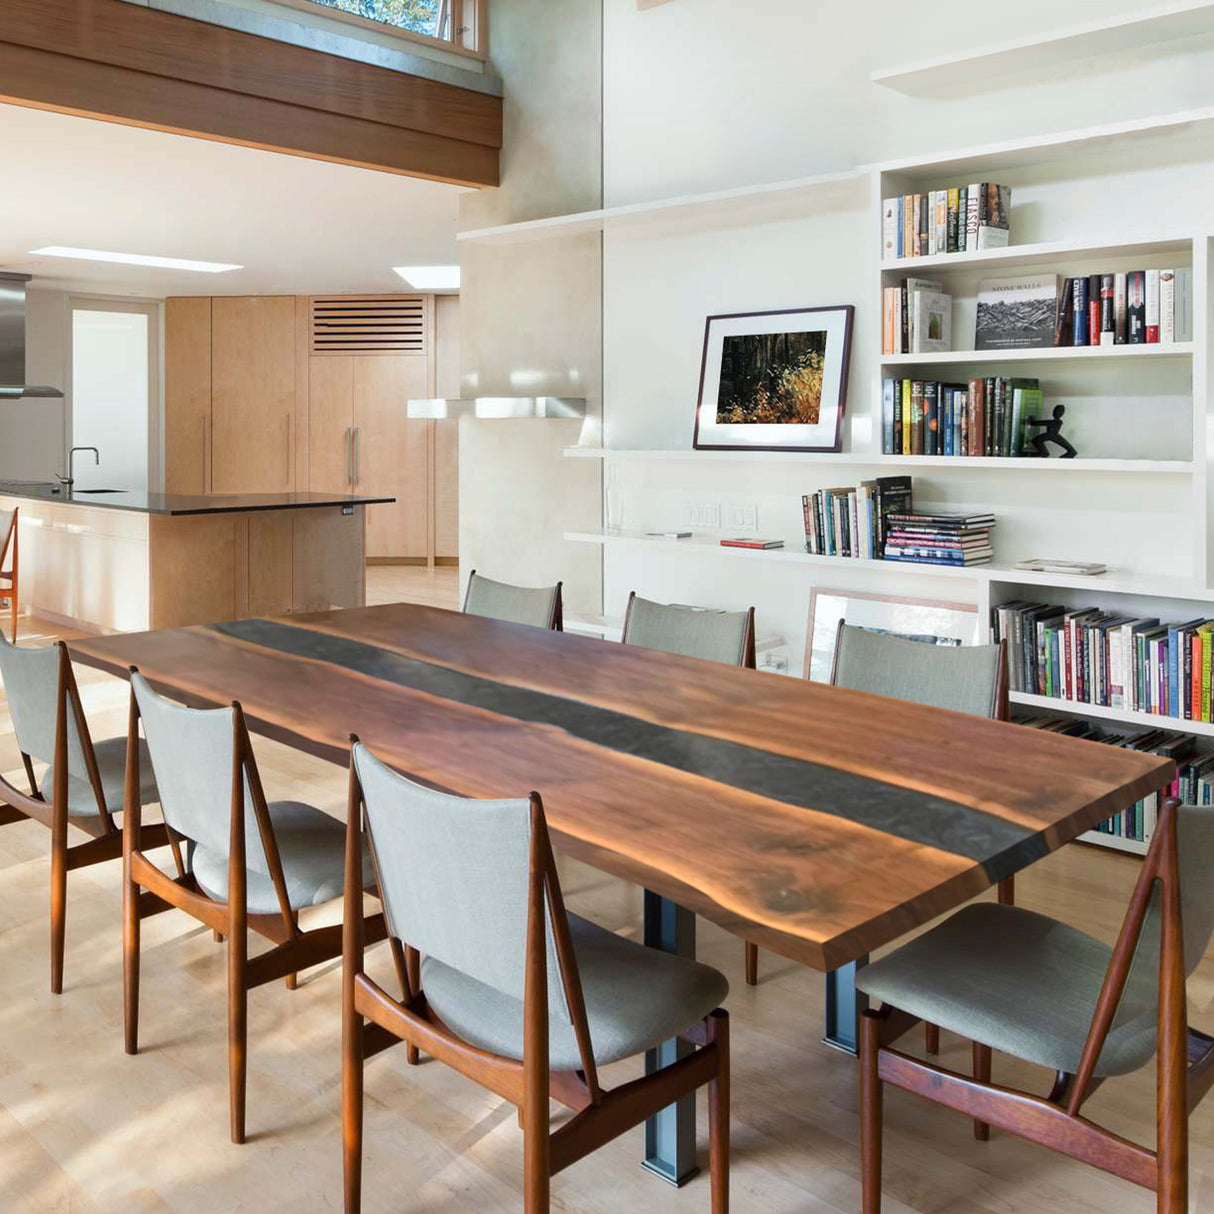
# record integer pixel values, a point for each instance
(1045, 251)
(1111, 34)
(776, 193)
(1041, 354)
(794, 554)
(1113, 842)
(854, 459)
(1123, 716)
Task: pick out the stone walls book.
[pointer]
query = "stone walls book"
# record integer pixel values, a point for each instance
(1016, 313)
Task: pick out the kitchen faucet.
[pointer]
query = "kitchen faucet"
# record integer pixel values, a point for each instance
(70, 479)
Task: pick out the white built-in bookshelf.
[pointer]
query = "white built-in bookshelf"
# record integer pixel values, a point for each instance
(1137, 498)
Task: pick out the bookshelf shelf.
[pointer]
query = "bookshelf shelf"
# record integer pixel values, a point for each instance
(1123, 716)
(1043, 253)
(797, 191)
(1113, 842)
(860, 459)
(1176, 349)
(973, 68)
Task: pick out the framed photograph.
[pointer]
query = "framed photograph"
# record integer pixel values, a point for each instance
(926, 620)
(774, 381)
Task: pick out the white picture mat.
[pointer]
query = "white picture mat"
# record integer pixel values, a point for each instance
(832, 322)
(948, 623)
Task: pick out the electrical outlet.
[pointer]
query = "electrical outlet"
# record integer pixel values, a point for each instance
(742, 517)
(701, 514)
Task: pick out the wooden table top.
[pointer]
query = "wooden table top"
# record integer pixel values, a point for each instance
(819, 822)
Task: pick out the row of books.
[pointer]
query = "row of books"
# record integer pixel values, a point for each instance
(960, 219)
(1112, 660)
(916, 318)
(939, 539)
(1134, 308)
(852, 520)
(985, 416)
(1194, 783)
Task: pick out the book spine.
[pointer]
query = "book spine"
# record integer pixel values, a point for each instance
(1119, 309)
(900, 225)
(1152, 306)
(925, 221)
(954, 203)
(973, 419)
(1093, 309)
(931, 418)
(917, 426)
(916, 251)
(1167, 306)
(1079, 310)
(1136, 307)
(904, 319)
(889, 228)
(887, 416)
(1108, 323)
(971, 217)
(1184, 304)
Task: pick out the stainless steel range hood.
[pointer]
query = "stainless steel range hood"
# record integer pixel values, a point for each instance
(12, 342)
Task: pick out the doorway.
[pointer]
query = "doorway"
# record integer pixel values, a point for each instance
(114, 381)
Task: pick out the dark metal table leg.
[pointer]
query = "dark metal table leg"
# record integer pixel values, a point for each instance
(843, 1007)
(670, 1136)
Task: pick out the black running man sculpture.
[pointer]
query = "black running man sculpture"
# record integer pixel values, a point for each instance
(1051, 432)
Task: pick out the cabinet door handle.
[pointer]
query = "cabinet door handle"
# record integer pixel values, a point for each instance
(356, 455)
(349, 457)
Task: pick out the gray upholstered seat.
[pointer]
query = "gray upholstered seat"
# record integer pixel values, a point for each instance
(311, 848)
(111, 767)
(31, 684)
(192, 752)
(961, 677)
(692, 632)
(538, 606)
(1027, 985)
(636, 998)
(455, 875)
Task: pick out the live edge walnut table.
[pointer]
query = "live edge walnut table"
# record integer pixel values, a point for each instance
(818, 822)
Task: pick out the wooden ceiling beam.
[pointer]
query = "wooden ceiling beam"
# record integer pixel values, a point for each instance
(142, 67)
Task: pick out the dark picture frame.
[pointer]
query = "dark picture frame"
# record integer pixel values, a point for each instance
(793, 389)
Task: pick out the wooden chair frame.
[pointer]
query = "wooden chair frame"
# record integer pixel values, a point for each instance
(9, 547)
(105, 839)
(1006, 888)
(1184, 1064)
(148, 890)
(372, 1021)
(556, 621)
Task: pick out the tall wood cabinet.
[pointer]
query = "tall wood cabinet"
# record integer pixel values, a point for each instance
(271, 394)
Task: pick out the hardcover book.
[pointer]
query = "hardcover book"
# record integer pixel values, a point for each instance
(1016, 313)
(1136, 307)
(932, 322)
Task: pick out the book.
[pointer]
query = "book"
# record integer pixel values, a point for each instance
(892, 494)
(1183, 310)
(954, 200)
(1079, 311)
(1064, 313)
(1119, 309)
(889, 229)
(1136, 307)
(746, 542)
(1016, 313)
(971, 217)
(1152, 307)
(939, 236)
(1108, 324)
(1052, 565)
(1093, 309)
(908, 289)
(1027, 401)
(931, 418)
(668, 535)
(994, 216)
(889, 389)
(917, 418)
(1167, 305)
(908, 225)
(932, 323)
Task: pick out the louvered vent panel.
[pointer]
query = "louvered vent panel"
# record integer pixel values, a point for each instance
(370, 324)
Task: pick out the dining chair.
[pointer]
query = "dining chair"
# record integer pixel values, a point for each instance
(540, 606)
(1024, 984)
(9, 554)
(514, 993)
(82, 786)
(964, 678)
(692, 632)
(250, 864)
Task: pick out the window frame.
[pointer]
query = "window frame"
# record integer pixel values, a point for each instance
(463, 13)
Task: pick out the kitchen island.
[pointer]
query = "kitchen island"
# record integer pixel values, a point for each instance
(117, 561)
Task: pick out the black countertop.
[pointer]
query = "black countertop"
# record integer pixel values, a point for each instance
(175, 504)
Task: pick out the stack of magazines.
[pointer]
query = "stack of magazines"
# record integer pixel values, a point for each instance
(940, 539)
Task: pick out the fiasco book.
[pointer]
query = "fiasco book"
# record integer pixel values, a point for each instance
(1016, 313)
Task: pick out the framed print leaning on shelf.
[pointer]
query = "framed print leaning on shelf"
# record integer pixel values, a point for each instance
(774, 381)
(926, 620)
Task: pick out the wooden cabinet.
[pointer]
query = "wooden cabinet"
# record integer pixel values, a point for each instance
(187, 395)
(253, 394)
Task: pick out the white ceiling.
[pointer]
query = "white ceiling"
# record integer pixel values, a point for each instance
(297, 226)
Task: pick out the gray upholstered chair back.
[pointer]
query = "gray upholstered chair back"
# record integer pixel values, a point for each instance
(961, 677)
(454, 876)
(715, 636)
(1195, 837)
(513, 604)
(31, 684)
(6, 527)
(193, 752)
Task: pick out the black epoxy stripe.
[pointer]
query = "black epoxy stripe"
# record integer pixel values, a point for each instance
(1002, 847)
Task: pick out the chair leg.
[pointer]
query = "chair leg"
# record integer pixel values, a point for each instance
(931, 1038)
(1007, 891)
(718, 1113)
(982, 1073)
(217, 934)
(58, 906)
(870, 1114)
(413, 972)
(752, 964)
(352, 1105)
(238, 1031)
(291, 982)
(130, 966)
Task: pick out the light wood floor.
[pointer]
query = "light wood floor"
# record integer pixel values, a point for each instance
(85, 1129)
